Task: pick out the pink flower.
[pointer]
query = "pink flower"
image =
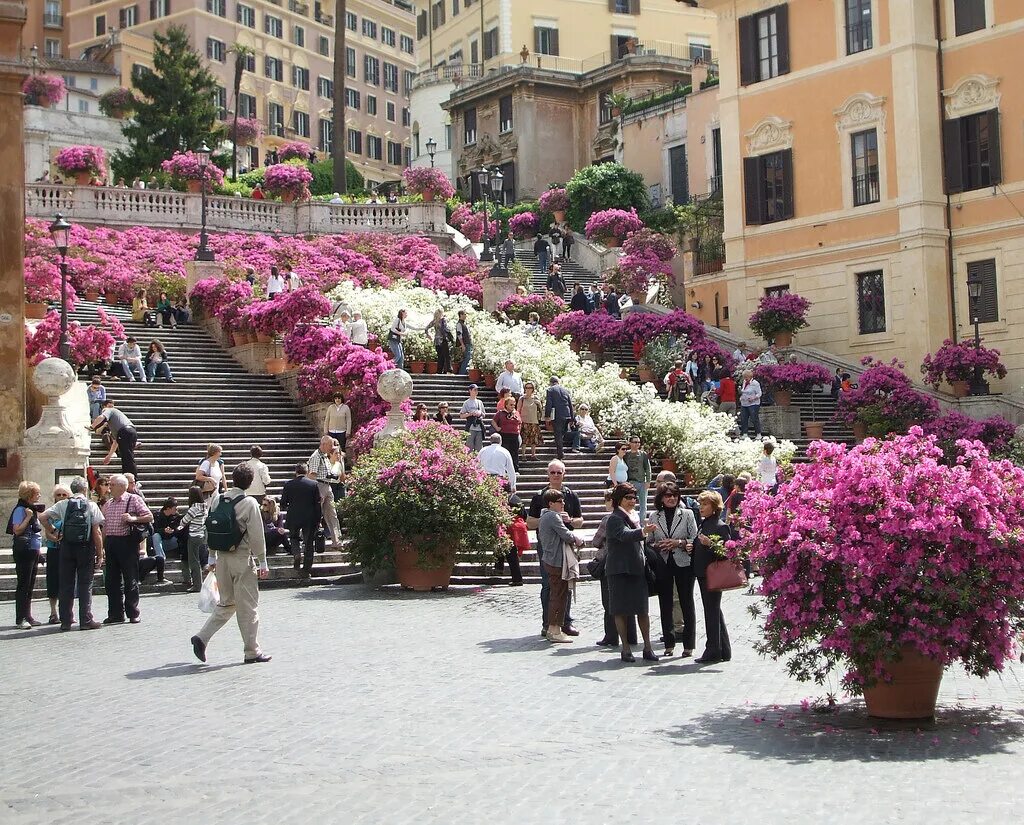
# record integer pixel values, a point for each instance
(422, 179)
(554, 200)
(287, 179)
(188, 166)
(613, 223)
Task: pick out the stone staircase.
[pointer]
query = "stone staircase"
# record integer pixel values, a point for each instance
(572, 273)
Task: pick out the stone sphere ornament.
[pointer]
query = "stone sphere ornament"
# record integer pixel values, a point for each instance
(394, 386)
(53, 377)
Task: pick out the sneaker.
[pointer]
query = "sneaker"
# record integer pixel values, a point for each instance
(34, 622)
(558, 638)
(22, 625)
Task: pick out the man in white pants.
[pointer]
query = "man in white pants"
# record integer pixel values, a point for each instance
(319, 465)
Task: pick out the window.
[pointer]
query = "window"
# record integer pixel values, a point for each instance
(394, 153)
(776, 291)
(371, 104)
(768, 187)
(421, 25)
(389, 111)
(369, 29)
(275, 119)
(218, 7)
(273, 68)
(128, 17)
(624, 6)
(374, 148)
(678, 174)
(246, 105)
(447, 136)
(371, 70)
(387, 36)
(700, 50)
(355, 141)
(716, 160)
(250, 63)
(455, 7)
(972, 152)
(216, 50)
(325, 46)
(299, 36)
(94, 84)
(986, 308)
(326, 135)
(220, 98)
(474, 51)
(545, 40)
(407, 79)
(391, 77)
(325, 87)
(437, 14)
(864, 152)
(273, 25)
(870, 302)
(621, 44)
(858, 26)
(491, 47)
(351, 98)
(969, 16)
(406, 117)
(505, 114)
(70, 81)
(83, 105)
(407, 156)
(604, 107)
(469, 127)
(138, 70)
(246, 15)
(52, 16)
(300, 123)
(159, 8)
(406, 44)
(300, 78)
(101, 24)
(764, 45)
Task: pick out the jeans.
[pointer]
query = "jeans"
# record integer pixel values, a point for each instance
(122, 577)
(752, 416)
(582, 442)
(167, 316)
(641, 497)
(718, 646)
(95, 408)
(545, 595)
(395, 345)
(542, 259)
(133, 371)
(464, 363)
(26, 566)
(561, 427)
(163, 369)
(192, 568)
(161, 544)
(77, 568)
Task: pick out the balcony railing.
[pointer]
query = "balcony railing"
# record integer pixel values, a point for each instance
(457, 74)
(866, 189)
(53, 21)
(111, 206)
(298, 8)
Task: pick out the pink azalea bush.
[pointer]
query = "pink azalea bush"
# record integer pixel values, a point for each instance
(50, 86)
(871, 548)
(885, 400)
(42, 282)
(89, 344)
(792, 377)
(613, 223)
(117, 101)
(471, 224)
(225, 300)
(188, 166)
(285, 311)
(287, 179)
(294, 150)
(996, 433)
(956, 362)
(247, 130)
(519, 307)
(554, 200)
(523, 225)
(779, 313)
(422, 179)
(459, 275)
(74, 159)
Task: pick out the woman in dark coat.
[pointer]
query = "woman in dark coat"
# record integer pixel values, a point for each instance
(673, 566)
(624, 569)
(717, 648)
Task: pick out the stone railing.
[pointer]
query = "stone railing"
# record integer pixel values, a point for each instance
(163, 209)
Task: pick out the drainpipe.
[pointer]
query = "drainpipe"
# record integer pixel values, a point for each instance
(950, 264)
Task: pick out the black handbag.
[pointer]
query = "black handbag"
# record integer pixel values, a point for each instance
(652, 579)
(596, 568)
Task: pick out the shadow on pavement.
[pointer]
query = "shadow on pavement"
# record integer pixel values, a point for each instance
(361, 593)
(179, 669)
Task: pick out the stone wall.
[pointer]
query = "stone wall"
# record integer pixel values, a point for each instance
(47, 131)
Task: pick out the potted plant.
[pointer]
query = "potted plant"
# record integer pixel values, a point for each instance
(428, 182)
(778, 317)
(890, 563)
(617, 101)
(43, 90)
(419, 499)
(612, 226)
(519, 307)
(296, 150)
(187, 167)
(555, 201)
(82, 162)
(785, 379)
(814, 428)
(523, 225)
(118, 102)
(245, 131)
(955, 363)
(884, 401)
(42, 285)
(288, 181)
(660, 355)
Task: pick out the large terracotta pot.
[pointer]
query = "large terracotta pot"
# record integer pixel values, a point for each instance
(473, 374)
(428, 196)
(596, 349)
(411, 576)
(611, 243)
(575, 345)
(43, 101)
(638, 298)
(669, 465)
(490, 379)
(287, 197)
(960, 388)
(274, 366)
(913, 691)
(815, 430)
(783, 339)
(647, 376)
(860, 431)
(432, 367)
(35, 311)
(82, 178)
(264, 339)
(559, 215)
(239, 339)
(416, 367)
(92, 295)
(195, 187)
(783, 398)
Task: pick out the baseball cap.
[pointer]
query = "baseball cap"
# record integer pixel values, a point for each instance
(473, 386)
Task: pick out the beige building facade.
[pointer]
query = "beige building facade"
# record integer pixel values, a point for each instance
(45, 29)
(872, 164)
(288, 84)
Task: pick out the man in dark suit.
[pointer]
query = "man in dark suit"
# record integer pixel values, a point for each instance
(558, 408)
(300, 499)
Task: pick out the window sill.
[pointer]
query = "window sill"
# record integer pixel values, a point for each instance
(871, 339)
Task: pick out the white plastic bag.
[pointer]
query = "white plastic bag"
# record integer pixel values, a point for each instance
(209, 596)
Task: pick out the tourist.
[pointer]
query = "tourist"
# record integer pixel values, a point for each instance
(586, 436)
(44, 178)
(274, 532)
(735, 501)
(75, 524)
(463, 340)
(542, 249)
(275, 283)
(718, 648)
(300, 500)
(166, 529)
(508, 424)
(750, 405)
(260, 473)
(442, 415)
(496, 460)
(639, 464)
(618, 470)
(338, 420)
(396, 333)
(520, 537)
(250, 275)
(768, 468)
(357, 331)
(197, 553)
(96, 394)
(236, 574)
(573, 516)
(52, 547)
(555, 234)
(559, 411)
(182, 314)
(121, 539)
(625, 570)
(443, 341)
(556, 283)
(677, 381)
(101, 490)
(157, 363)
(165, 312)
(533, 326)
(124, 435)
(139, 307)
(510, 380)
(568, 239)
(672, 544)
(257, 192)
(291, 278)
(150, 564)
(320, 470)
(611, 303)
(336, 198)
(837, 383)
(24, 525)
(472, 413)
(600, 541)
(130, 356)
(579, 301)
(723, 485)
(739, 355)
(420, 413)
(210, 472)
(531, 411)
(552, 534)
(727, 395)
(337, 460)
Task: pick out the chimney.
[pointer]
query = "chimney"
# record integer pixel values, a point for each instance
(698, 74)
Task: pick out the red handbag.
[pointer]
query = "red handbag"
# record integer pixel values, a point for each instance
(726, 575)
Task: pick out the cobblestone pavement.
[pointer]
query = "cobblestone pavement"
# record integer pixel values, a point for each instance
(396, 708)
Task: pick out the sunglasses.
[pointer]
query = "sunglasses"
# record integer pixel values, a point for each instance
(671, 495)
(556, 473)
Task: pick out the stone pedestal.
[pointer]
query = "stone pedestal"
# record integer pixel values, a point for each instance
(394, 386)
(496, 290)
(196, 271)
(782, 422)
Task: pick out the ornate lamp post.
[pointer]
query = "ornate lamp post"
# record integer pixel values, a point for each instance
(204, 253)
(979, 386)
(431, 150)
(491, 181)
(60, 231)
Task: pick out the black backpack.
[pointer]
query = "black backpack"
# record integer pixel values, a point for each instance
(76, 528)
(222, 530)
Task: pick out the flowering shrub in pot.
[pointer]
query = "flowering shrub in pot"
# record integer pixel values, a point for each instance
(285, 311)
(519, 307)
(295, 150)
(186, 166)
(885, 400)
(523, 225)
(44, 89)
(955, 363)
(287, 181)
(247, 130)
(635, 273)
(89, 344)
(779, 315)
(42, 282)
(555, 200)
(792, 377)
(429, 182)
(613, 226)
(881, 553)
(83, 162)
(118, 102)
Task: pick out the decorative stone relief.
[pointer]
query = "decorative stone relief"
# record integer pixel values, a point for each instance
(860, 110)
(770, 135)
(972, 94)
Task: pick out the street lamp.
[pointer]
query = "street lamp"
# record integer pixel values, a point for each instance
(431, 150)
(979, 386)
(490, 182)
(60, 231)
(204, 253)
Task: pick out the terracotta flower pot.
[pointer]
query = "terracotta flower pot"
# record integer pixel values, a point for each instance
(239, 339)
(559, 215)
(428, 196)
(783, 398)
(669, 465)
(92, 295)
(287, 197)
(624, 374)
(490, 379)
(195, 187)
(639, 298)
(82, 178)
(611, 243)
(815, 430)
(274, 366)
(960, 388)
(596, 349)
(783, 339)
(35, 310)
(43, 101)
(413, 577)
(474, 374)
(860, 431)
(262, 338)
(647, 376)
(432, 367)
(416, 367)
(913, 691)
(575, 346)
(291, 366)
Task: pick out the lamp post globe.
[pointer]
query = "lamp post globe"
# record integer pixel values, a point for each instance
(60, 231)
(979, 386)
(431, 150)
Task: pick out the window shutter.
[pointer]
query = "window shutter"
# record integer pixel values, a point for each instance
(614, 52)
(952, 148)
(553, 38)
(995, 164)
(987, 309)
(788, 182)
(748, 51)
(634, 6)
(611, 5)
(782, 27)
(536, 40)
(122, 16)
(752, 191)
(152, 9)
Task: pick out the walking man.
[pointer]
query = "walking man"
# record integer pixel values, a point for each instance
(510, 380)
(497, 461)
(236, 570)
(319, 465)
(81, 552)
(638, 467)
(300, 499)
(463, 339)
(121, 513)
(124, 436)
(558, 408)
(542, 250)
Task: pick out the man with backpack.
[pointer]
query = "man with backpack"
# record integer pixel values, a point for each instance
(238, 548)
(81, 552)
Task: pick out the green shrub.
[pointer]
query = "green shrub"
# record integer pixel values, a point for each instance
(604, 186)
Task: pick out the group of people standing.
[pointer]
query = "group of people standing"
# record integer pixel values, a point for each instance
(448, 339)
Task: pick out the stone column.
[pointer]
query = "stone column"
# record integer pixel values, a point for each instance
(497, 289)
(196, 271)
(395, 387)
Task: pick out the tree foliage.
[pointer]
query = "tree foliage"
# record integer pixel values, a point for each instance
(604, 186)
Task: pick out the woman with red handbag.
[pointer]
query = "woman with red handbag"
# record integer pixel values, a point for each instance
(718, 648)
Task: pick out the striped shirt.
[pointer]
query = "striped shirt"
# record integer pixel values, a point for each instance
(195, 518)
(114, 512)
